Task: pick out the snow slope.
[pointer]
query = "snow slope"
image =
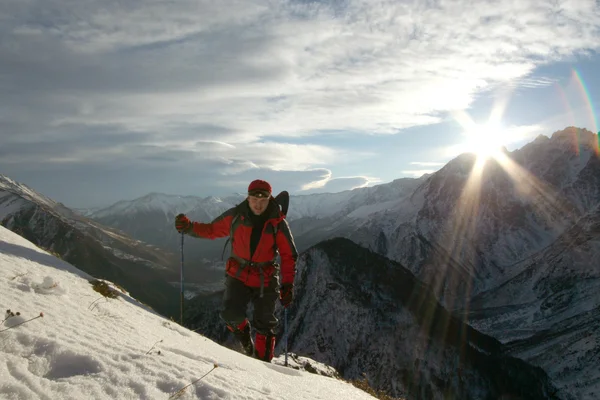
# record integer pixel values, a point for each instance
(90, 347)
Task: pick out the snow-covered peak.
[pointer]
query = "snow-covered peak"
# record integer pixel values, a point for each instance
(560, 159)
(577, 136)
(168, 204)
(355, 203)
(86, 346)
(486, 225)
(22, 190)
(15, 195)
(150, 202)
(570, 140)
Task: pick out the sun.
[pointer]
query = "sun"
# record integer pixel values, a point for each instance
(485, 141)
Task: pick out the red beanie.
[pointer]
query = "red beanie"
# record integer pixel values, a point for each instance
(259, 185)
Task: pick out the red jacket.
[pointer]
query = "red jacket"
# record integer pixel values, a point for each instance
(276, 237)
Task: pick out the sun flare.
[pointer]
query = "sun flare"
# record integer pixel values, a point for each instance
(485, 141)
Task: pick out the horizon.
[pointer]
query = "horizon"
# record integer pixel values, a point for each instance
(108, 102)
(341, 191)
(242, 193)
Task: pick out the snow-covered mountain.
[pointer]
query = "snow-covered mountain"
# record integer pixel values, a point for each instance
(86, 212)
(549, 314)
(102, 251)
(512, 236)
(81, 345)
(366, 315)
(478, 229)
(361, 201)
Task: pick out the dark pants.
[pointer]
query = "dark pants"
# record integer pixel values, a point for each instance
(236, 299)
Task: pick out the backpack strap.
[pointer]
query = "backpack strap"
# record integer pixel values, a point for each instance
(234, 224)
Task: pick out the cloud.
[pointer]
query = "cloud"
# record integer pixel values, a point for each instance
(273, 155)
(334, 185)
(535, 82)
(377, 66)
(194, 84)
(292, 181)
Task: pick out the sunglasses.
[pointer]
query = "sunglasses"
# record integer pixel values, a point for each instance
(259, 194)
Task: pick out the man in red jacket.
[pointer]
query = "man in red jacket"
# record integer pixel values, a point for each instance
(258, 232)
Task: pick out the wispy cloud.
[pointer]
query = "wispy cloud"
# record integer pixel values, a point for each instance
(333, 185)
(207, 80)
(376, 66)
(535, 82)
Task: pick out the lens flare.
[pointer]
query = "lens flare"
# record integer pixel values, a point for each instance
(587, 98)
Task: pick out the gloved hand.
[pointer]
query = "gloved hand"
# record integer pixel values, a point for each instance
(183, 223)
(286, 294)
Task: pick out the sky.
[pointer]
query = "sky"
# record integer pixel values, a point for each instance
(88, 346)
(111, 100)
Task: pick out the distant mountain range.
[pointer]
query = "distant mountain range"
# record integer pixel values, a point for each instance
(151, 217)
(151, 220)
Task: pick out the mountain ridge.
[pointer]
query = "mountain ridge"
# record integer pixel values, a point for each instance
(96, 249)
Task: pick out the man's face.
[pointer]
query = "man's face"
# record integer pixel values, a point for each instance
(258, 205)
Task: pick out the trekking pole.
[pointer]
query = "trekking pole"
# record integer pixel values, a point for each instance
(181, 272)
(285, 333)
